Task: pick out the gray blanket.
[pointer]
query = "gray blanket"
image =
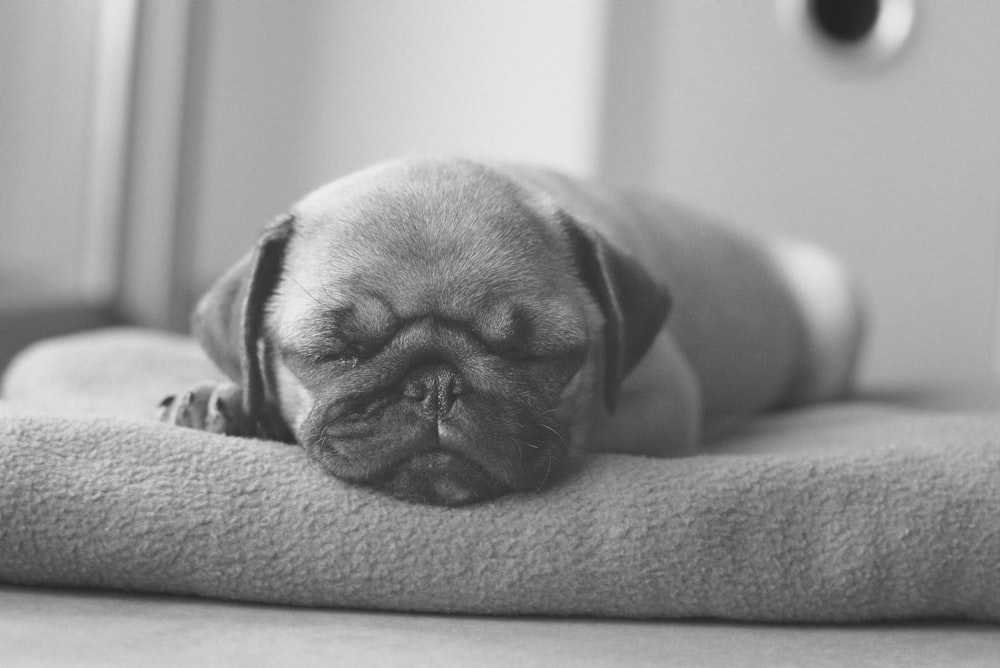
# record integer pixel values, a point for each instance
(850, 512)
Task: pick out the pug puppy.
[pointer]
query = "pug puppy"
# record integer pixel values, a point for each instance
(447, 331)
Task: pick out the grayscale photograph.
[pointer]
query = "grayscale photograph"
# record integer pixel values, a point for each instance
(499, 333)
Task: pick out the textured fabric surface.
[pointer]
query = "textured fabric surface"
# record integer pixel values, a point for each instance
(850, 512)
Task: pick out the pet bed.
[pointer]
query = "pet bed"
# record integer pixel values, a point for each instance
(847, 512)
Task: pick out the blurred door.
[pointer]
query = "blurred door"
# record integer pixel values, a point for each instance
(60, 133)
(842, 122)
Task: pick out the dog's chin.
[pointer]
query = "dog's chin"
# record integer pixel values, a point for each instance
(438, 478)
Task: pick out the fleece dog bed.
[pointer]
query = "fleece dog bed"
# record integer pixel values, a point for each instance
(850, 512)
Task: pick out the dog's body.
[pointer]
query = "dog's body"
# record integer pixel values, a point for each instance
(447, 330)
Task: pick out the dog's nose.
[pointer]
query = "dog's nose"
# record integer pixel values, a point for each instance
(435, 387)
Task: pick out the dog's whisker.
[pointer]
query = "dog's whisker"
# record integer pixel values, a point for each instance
(308, 294)
(312, 463)
(548, 471)
(556, 432)
(326, 291)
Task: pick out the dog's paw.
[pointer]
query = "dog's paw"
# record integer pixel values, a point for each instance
(208, 406)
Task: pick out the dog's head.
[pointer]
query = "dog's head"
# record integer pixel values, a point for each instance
(431, 328)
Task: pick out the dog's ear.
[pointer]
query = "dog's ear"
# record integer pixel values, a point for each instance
(229, 318)
(634, 304)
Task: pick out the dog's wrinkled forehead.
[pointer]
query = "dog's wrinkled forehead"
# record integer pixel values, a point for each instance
(435, 235)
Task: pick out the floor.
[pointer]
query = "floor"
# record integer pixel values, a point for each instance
(49, 627)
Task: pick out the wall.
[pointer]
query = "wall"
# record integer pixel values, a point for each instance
(47, 52)
(298, 93)
(895, 167)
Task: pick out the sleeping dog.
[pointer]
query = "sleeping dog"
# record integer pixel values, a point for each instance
(447, 331)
